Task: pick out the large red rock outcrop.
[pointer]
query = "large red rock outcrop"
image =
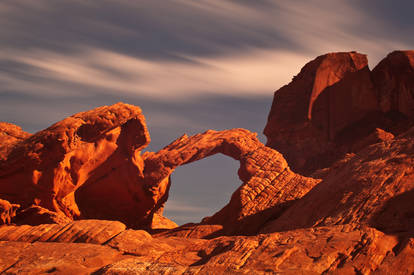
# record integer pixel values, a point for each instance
(356, 219)
(394, 80)
(330, 93)
(84, 166)
(372, 187)
(334, 102)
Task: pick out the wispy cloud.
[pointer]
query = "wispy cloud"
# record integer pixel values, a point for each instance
(256, 72)
(177, 49)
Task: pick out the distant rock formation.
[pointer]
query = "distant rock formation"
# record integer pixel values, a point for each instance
(335, 101)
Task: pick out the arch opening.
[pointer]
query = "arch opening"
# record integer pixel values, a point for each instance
(200, 189)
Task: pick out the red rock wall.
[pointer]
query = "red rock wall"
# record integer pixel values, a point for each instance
(344, 102)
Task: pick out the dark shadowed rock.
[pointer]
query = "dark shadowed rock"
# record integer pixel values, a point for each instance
(394, 80)
(331, 93)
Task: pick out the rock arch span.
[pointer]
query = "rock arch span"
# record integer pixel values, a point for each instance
(90, 166)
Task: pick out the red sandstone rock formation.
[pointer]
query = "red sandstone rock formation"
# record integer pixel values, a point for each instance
(84, 166)
(372, 187)
(330, 93)
(394, 80)
(10, 135)
(7, 211)
(268, 187)
(89, 166)
(334, 102)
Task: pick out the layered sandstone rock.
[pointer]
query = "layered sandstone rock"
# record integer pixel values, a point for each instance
(107, 248)
(372, 187)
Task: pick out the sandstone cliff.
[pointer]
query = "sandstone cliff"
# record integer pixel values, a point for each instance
(334, 102)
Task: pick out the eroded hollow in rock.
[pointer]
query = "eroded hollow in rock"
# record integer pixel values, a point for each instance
(192, 197)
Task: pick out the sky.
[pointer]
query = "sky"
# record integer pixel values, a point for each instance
(190, 65)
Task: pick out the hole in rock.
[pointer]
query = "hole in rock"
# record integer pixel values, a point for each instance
(201, 188)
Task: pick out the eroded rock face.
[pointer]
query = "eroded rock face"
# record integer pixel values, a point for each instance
(7, 211)
(372, 187)
(89, 166)
(394, 79)
(268, 187)
(334, 102)
(323, 99)
(10, 135)
(84, 166)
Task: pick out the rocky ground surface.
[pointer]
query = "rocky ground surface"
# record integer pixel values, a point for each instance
(107, 247)
(80, 198)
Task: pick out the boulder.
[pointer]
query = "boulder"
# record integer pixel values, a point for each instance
(7, 211)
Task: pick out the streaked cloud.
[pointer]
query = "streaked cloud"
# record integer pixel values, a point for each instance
(181, 48)
(253, 73)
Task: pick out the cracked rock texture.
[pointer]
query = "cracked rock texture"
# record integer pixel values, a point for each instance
(106, 247)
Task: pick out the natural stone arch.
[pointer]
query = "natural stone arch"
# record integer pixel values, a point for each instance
(90, 166)
(268, 183)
